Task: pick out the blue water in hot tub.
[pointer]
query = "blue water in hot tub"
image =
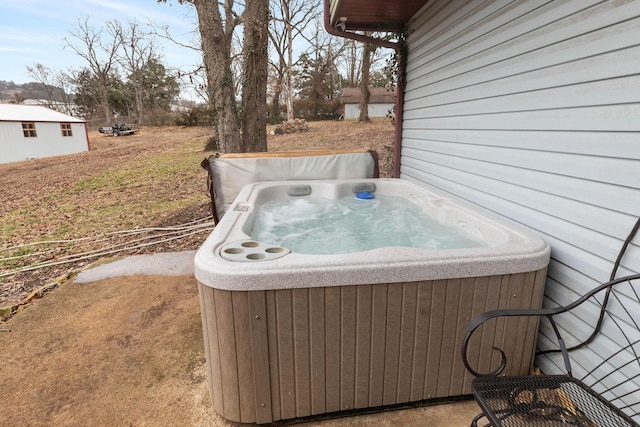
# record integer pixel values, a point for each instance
(312, 225)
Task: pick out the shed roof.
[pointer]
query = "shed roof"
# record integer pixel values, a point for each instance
(33, 113)
(379, 95)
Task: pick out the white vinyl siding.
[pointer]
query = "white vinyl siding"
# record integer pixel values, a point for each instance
(532, 109)
(14, 146)
(45, 127)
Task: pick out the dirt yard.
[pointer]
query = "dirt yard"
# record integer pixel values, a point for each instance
(129, 352)
(125, 351)
(119, 352)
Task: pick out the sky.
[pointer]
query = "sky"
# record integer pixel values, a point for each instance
(34, 31)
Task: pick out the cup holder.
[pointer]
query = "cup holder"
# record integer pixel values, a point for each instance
(251, 251)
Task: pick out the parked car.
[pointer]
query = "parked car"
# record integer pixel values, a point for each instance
(119, 129)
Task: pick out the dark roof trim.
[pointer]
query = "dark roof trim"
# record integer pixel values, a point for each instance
(373, 15)
(340, 31)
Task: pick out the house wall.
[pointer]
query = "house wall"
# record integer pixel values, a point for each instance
(352, 111)
(532, 109)
(48, 142)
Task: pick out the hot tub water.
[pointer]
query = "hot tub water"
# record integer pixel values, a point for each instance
(316, 225)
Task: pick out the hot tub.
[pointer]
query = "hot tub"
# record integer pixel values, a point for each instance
(290, 334)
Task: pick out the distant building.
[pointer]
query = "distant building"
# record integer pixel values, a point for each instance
(63, 107)
(29, 131)
(381, 102)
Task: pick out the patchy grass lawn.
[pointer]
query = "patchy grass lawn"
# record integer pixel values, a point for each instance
(90, 204)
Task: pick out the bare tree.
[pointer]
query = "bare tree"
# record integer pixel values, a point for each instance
(319, 80)
(216, 36)
(217, 22)
(194, 78)
(64, 81)
(254, 91)
(275, 89)
(138, 50)
(44, 76)
(352, 64)
(55, 85)
(100, 55)
(289, 20)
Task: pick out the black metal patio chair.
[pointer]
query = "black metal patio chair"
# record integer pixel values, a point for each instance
(602, 390)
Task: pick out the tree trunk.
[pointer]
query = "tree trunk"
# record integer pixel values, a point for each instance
(254, 91)
(216, 47)
(139, 105)
(275, 114)
(364, 85)
(104, 94)
(289, 97)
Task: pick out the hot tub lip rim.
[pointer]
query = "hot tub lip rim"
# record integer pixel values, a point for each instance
(273, 275)
(292, 271)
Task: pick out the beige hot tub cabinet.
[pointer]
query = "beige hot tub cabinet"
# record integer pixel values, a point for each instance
(291, 353)
(290, 335)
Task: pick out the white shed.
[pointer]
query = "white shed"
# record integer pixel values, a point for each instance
(30, 131)
(381, 102)
(530, 109)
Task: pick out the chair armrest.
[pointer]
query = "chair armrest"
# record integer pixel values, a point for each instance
(549, 313)
(477, 321)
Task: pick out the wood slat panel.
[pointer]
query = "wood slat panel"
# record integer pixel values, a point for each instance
(466, 301)
(227, 351)
(379, 338)
(245, 365)
(522, 357)
(302, 357)
(423, 327)
(477, 305)
(487, 337)
(364, 310)
(318, 350)
(212, 349)
(260, 356)
(274, 364)
(348, 313)
(500, 324)
(436, 336)
(407, 341)
(448, 347)
(392, 343)
(333, 348)
(286, 353)
(537, 282)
